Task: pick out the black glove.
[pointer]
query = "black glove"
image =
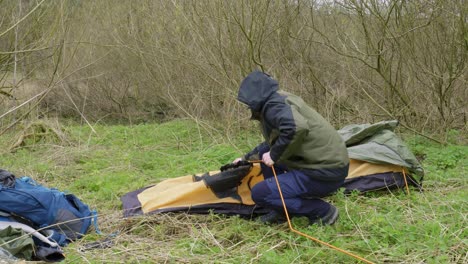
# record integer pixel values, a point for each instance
(234, 165)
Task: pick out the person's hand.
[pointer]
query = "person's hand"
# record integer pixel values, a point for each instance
(237, 160)
(266, 158)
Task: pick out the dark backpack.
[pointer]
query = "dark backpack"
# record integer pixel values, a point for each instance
(46, 208)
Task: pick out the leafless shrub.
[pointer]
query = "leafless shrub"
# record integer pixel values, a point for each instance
(353, 60)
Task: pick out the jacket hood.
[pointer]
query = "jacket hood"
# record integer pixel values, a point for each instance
(255, 90)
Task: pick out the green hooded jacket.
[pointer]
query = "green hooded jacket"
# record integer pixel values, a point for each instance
(297, 135)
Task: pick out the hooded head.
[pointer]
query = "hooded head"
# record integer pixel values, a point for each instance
(255, 90)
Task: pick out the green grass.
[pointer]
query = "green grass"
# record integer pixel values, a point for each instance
(390, 227)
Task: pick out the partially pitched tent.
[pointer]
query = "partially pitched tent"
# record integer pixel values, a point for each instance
(379, 159)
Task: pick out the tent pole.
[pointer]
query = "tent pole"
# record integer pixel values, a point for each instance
(406, 183)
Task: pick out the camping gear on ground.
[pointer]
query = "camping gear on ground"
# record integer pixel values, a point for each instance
(107, 242)
(15, 244)
(7, 179)
(68, 217)
(24, 242)
(379, 160)
(6, 256)
(51, 217)
(6, 222)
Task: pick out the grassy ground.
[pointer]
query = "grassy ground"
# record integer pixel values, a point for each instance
(390, 227)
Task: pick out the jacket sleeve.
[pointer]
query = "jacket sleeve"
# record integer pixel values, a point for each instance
(292, 129)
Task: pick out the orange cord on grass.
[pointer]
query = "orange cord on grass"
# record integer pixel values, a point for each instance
(305, 235)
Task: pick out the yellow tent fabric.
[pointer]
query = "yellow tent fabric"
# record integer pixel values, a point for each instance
(184, 192)
(359, 168)
(188, 194)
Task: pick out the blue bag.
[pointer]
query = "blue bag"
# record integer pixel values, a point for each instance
(64, 214)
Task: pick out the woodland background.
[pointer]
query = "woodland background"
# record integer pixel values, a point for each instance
(123, 61)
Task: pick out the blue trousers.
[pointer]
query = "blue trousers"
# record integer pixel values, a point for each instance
(301, 192)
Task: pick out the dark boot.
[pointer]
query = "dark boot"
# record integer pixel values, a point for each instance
(329, 219)
(273, 217)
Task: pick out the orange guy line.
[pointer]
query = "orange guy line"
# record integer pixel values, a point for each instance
(305, 235)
